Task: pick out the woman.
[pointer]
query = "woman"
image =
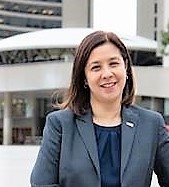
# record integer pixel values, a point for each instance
(99, 138)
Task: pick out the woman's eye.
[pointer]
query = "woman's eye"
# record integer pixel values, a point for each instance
(95, 68)
(114, 64)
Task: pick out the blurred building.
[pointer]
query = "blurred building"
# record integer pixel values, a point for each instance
(152, 19)
(34, 65)
(30, 72)
(19, 16)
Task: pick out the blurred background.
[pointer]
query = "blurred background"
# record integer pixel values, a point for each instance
(37, 43)
(38, 40)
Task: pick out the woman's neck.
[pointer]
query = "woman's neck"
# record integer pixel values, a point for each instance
(106, 114)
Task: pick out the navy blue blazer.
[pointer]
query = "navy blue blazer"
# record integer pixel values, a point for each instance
(68, 155)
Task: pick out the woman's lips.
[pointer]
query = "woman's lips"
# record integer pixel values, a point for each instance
(108, 85)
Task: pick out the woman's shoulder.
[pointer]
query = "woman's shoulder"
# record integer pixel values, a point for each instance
(145, 117)
(60, 119)
(145, 111)
(61, 114)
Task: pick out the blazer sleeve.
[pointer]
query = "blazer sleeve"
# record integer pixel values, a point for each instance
(46, 169)
(162, 156)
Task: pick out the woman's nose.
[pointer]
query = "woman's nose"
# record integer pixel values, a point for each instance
(107, 72)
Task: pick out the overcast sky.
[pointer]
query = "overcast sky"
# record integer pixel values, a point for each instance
(116, 15)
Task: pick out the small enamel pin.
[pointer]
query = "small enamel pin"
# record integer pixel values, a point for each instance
(130, 124)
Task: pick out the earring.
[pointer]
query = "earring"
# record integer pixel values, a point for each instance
(85, 84)
(127, 77)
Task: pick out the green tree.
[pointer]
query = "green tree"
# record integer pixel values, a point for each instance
(165, 41)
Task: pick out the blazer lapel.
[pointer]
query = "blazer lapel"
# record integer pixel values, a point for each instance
(86, 130)
(129, 123)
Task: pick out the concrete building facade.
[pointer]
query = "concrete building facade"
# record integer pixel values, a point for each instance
(152, 19)
(19, 16)
(21, 109)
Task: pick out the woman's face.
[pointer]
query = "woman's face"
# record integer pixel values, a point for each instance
(105, 73)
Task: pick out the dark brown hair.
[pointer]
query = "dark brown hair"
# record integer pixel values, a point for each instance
(78, 98)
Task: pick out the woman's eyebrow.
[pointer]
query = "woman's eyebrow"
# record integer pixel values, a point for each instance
(93, 63)
(115, 58)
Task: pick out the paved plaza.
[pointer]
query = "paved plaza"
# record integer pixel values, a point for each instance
(16, 163)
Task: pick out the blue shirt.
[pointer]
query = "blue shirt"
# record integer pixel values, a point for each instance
(109, 153)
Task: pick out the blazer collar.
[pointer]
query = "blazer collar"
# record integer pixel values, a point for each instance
(129, 124)
(86, 130)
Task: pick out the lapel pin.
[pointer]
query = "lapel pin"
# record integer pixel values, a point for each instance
(129, 124)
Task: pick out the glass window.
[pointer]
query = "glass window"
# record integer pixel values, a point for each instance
(18, 107)
(155, 35)
(155, 22)
(7, 33)
(1, 109)
(155, 8)
(145, 58)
